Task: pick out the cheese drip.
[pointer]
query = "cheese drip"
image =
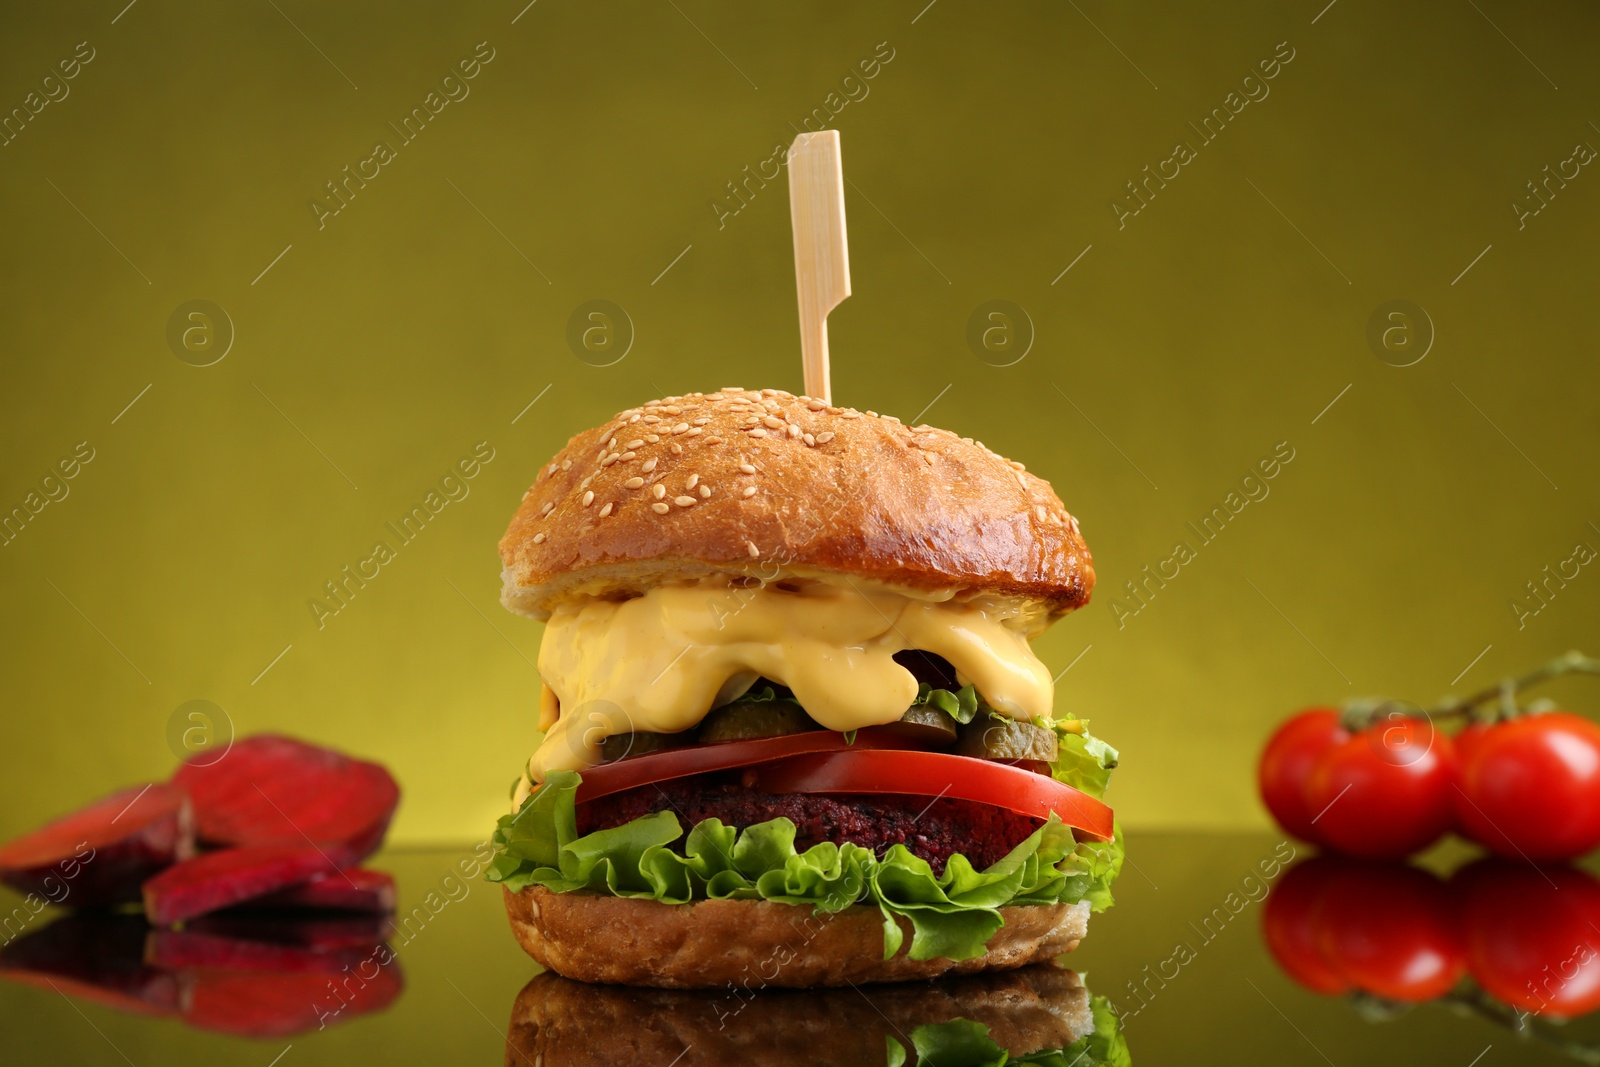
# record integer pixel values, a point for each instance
(659, 662)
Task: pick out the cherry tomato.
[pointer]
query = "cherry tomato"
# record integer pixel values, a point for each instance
(1532, 934)
(1530, 787)
(939, 774)
(1385, 792)
(1288, 924)
(1390, 929)
(1286, 763)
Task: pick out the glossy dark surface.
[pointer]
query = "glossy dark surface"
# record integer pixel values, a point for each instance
(1181, 956)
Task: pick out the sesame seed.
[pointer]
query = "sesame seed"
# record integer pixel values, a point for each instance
(1020, 479)
(634, 483)
(660, 509)
(683, 501)
(634, 444)
(816, 405)
(747, 468)
(607, 438)
(673, 409)
(794, 431)
(658, 490)
(650, 464)
(749, 491)
(705, 491)
(808, 439)
(929, 457)
(849, 413)
(566, 464)
(758, 432)
(750, 547)
(635, 418)
(538, 538)
(547, 509)
(677, 449)
(772, 422)
(653, 438)
(1038, 510)
(701, 421)
(605, 511)
(628, 455)
(874, 414)
(585, 483)
(682, 427)
(824, 437)
(588, 498)
(652, 418)
(713, 440)
(695, 431)
(769, 392)
(1055, 520)
(609, 460)
(694, 479)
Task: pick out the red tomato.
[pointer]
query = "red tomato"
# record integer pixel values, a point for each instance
(1389, 929)
(1286, 763)
(659, 766)
(1532, 935)
(1530, 787)
(939, 774)
(1385, 792)
(822, 761)
(1288, 924)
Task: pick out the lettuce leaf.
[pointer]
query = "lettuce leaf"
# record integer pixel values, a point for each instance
(961, 705)
(952, 915)
(965, 1043)
(1083, 761)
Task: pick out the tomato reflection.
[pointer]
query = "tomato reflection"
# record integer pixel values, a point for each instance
(1526, 936)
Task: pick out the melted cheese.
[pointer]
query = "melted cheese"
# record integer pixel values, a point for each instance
(659, 662)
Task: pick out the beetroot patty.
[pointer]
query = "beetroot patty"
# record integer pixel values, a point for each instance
(935, 831)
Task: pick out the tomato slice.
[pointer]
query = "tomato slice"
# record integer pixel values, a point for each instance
(939, 774)
(670, 763)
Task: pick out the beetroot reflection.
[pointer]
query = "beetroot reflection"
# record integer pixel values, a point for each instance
(250, 975)
(1506, 940)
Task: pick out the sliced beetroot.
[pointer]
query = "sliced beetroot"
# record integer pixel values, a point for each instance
(256, 1004)
(101, 854)
(222, 879)
(270, 789)
(95, 957)
(360, 889)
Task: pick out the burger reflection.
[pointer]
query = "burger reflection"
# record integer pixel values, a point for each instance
(1036, 1015)
(249, 975)
(1511, 942)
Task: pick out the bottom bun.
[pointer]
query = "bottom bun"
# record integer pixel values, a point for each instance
(757, 943)
(557, 1023)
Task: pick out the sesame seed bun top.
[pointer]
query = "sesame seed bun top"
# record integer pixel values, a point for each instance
(758, 482)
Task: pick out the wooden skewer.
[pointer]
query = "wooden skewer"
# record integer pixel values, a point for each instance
(821, 252)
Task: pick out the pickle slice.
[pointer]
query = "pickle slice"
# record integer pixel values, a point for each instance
(926, 724)
(749, 720)
(995, 737)
(621, 746)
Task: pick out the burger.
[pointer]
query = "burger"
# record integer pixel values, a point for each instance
(1038, 1015)
(792, 731)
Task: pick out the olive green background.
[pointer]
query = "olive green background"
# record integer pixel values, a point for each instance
(1177, 351)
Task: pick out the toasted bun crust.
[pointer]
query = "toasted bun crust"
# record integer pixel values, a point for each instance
(558, 1023)
(746, 481)
(705, 944)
